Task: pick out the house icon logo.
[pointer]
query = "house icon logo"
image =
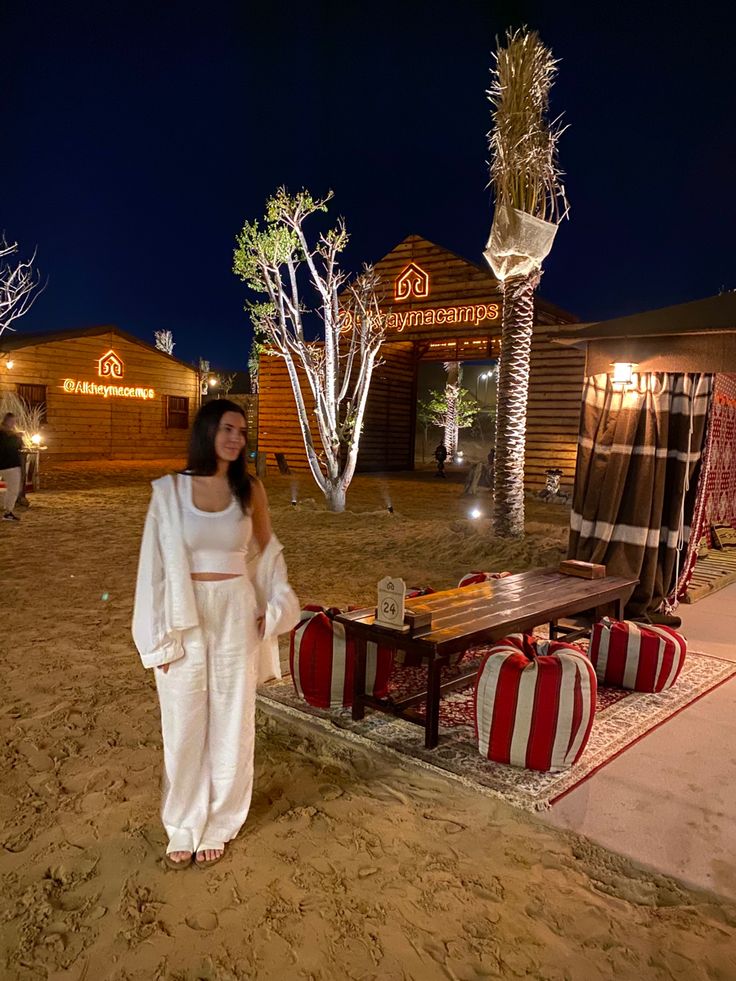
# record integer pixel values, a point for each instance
(110, 365)
(413, 281)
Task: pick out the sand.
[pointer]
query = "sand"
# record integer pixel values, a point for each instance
(349, 866)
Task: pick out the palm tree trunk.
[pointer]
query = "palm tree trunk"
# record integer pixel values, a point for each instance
(513, 389)
(452, 392)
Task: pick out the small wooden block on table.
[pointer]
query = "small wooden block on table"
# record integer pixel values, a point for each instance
(463, 618)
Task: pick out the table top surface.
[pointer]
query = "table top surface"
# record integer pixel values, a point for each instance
(494, 608)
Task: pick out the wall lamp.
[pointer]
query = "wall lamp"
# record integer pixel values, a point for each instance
(623, 372)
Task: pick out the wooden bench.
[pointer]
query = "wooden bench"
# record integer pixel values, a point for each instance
(463, 618)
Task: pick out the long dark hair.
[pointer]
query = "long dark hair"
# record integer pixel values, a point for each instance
(202, 459)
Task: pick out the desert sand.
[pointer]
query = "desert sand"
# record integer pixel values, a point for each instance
(350, 866)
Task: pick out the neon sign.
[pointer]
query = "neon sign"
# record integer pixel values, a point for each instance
(412, 281)
(110, 365)
(73, 386)
(398, 321)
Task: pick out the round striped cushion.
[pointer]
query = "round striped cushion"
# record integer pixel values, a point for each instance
(534, 703)
(473, 578)
(637, 656)
(323, 665)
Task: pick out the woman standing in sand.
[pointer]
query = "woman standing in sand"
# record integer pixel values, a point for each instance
(11, 467)
(207, 619)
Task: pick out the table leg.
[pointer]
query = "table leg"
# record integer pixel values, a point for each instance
(432, 727)
(619, 607)
(361, 649)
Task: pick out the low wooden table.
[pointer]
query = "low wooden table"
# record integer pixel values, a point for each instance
(462, 618)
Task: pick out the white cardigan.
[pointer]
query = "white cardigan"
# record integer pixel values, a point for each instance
(164, 597)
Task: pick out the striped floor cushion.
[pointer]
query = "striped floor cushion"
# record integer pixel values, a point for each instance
(322, 665)
(534, 703)
(473, 578)
(637, 656)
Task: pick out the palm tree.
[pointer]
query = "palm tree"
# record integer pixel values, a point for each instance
(529, 204)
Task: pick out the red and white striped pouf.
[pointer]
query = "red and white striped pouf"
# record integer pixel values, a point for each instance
(323, 666)
(473, 578)
(534, 703)
(637, 656)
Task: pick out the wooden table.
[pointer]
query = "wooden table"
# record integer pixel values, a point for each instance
(462, 618)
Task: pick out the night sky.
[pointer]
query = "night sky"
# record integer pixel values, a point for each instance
(136, 139)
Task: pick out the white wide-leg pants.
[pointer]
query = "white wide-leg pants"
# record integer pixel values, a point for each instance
(207, 703)
(12, 478)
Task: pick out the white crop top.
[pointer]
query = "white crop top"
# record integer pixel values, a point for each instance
(217, 541)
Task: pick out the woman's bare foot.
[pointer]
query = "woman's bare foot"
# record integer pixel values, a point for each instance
(210, 854)
(180, 858)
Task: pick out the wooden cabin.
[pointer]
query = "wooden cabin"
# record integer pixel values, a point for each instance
(105, 394)
(439, 307)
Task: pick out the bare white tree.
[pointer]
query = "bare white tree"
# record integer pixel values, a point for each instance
(227, 382)
(277, 261)
(20, 285)
(164, 341)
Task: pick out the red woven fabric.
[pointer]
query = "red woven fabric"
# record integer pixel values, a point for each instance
(534, 703)
(323, 665)
(637, 656)
(473, 578)
(716, 496)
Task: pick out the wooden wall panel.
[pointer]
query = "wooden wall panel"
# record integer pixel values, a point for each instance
(553, 414)
(82, 427)
(387, 439)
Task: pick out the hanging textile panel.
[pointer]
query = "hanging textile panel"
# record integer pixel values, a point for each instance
(716, 494)
(638, 449)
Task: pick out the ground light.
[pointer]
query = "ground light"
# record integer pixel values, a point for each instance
(390, 508)
(476, 513)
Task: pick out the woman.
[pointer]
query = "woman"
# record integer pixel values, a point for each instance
(206, 619)
(11, 443)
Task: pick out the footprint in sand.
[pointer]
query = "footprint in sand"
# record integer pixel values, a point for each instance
(330, 791)
(203, 920)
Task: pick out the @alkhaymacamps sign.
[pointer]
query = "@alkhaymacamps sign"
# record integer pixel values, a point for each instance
(111, 366)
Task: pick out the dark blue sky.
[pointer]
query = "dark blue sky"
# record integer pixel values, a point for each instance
(136, 139)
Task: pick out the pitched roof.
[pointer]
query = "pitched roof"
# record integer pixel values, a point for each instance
(713, 315)
(15, 342)
(475, 276)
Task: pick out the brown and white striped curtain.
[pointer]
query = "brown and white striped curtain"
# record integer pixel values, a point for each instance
(638, 451)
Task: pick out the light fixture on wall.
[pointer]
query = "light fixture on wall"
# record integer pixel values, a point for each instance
(623, 372)
(10, 364)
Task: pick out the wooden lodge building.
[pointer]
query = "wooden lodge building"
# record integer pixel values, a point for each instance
(105, 394)
(439, 307)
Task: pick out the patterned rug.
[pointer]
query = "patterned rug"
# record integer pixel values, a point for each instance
(622, 718)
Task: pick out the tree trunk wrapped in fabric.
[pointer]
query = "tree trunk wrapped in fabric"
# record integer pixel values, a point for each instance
(530, 202)
(637, 455)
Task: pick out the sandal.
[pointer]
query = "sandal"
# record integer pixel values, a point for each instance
(205, 863)
(171, 863)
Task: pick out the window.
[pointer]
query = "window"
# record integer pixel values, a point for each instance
(34, 396)
(177, 412)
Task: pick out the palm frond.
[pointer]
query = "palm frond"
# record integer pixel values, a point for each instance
(525, 173)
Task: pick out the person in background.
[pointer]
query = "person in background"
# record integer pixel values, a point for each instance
(206, 619)
(440, 455)
(11, 443)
